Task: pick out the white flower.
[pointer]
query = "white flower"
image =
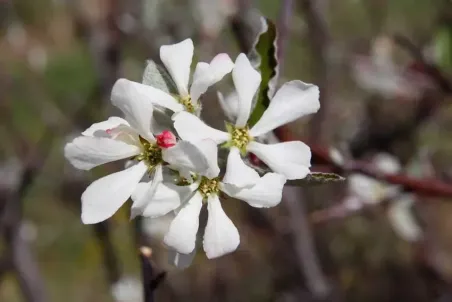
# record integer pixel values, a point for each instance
(118, 138)
(369, 190)
(293, 100)
(366, 190)
(177, 58)
(401, 217)
(221, 236)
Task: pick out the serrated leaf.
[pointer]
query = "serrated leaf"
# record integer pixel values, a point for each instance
(316, 178)
(158, 77)
(263, 57)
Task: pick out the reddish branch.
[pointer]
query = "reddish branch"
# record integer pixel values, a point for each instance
(321, 155)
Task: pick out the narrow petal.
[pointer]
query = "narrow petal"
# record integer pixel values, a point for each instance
(165, 199)
(203, 77)
(147, 194)
(265, 194)
(179, 260)
(246, 81)
(210, 151)
(237, 172)
(229, 104)
(191, 128)
(106, 195)
(99, 129)
(177, 59)
(221, 236)
(182, 232)
(291, 159)
(136, 101)
(86, 152)
(292, 101)
(200, 157)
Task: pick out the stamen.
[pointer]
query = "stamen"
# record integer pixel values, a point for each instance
(151, 154)
(188, 104)
(208, 187)
(240, 137)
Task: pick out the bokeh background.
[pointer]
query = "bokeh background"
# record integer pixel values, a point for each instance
(384, 71)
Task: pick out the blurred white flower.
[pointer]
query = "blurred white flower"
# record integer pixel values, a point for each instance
(368, 189)
(213, 14)
(221, 236)
(177, 59)
(127, 289)
(402, 220)
(132, 137)
(292, 101)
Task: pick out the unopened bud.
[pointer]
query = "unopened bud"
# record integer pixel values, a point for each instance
(166, 139)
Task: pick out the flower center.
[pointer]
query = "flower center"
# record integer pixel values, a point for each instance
(208, 186)
(188, 104)
(151, 154)
(240, 137)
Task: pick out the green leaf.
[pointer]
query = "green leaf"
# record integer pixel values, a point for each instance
(316, 178)
(156, 76)
(263, 56)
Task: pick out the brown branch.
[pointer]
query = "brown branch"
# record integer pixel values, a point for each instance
(315, 11)
(285, 16)
(18, 251)
(151, 277)
(304, 243)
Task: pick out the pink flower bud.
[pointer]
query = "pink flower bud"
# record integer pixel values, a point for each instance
(166, 139)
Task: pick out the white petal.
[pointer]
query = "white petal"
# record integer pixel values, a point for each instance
(221, 236)
(185, 156)
(204, 77)
(292, 101)
(136, 101)
(98, 129)
(147, 194)
(266, 193)
(191, 128)
(200, 69)
(368, 190)
(179, 260)
(86, 152)
(237, 172)
(246, 81)
(147, 94)
(291, 159)
(177, 59)
(210, 151)
(182, 233)
(167, 197)
(106, 195)
(229, 104)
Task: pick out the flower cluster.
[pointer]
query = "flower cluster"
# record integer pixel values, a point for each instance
(178, 171)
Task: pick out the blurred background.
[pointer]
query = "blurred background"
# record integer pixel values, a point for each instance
(384, 71)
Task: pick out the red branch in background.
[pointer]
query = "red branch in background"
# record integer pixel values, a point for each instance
(321, 155)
